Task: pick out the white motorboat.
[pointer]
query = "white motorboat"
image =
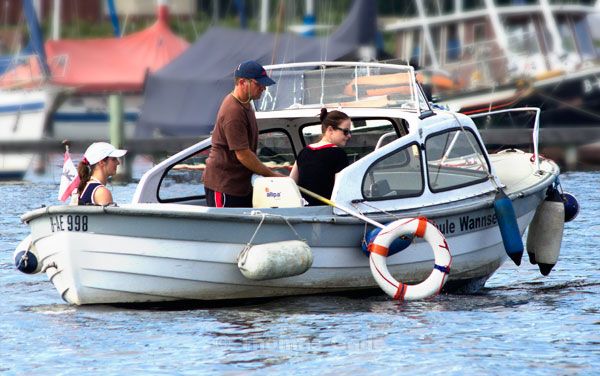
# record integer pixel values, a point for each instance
(407, 162)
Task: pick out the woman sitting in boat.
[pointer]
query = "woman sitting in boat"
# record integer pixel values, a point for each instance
(317, 163)
(99, 162)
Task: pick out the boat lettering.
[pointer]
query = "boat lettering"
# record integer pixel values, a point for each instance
(589, 85)
(56, 223)
(465, 223)
(69, 223)
(471, 223)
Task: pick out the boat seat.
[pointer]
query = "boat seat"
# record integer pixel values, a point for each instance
(276, 192)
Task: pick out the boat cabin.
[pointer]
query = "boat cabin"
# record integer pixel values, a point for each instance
(400, 148)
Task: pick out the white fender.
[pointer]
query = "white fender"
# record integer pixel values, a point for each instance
(275, 260)
(419, 227)
(545, 234)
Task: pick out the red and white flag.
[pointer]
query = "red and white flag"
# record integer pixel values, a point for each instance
(69, 179)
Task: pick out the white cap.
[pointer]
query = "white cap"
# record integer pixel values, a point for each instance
(100, 150)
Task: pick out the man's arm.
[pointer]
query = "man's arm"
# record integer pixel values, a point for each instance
(252, 163)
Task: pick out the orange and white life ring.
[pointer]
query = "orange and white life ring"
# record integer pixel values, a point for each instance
(379, 250)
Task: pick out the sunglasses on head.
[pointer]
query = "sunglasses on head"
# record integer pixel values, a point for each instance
(345, 131)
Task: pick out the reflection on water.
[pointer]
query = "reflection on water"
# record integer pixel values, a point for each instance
(521, 323)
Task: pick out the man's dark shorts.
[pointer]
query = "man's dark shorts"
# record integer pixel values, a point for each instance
(223, 200)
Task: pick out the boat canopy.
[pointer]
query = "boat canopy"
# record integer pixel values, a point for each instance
(103, 64)
(342, 84)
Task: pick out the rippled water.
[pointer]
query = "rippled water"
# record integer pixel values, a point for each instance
(521, 323)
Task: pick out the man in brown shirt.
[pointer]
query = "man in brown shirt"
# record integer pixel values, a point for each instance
(232, 159)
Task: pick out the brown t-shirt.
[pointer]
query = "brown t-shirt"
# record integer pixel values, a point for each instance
(235, 129)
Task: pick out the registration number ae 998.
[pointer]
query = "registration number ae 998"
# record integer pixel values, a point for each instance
(69, 222)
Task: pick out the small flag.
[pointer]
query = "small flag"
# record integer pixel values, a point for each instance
(69, 179)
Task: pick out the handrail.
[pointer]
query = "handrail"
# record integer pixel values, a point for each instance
(536, 127)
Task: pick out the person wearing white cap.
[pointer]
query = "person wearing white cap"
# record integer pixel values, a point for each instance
(99, 162)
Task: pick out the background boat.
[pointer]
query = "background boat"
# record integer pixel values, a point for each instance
(491, 55)
(26, 99)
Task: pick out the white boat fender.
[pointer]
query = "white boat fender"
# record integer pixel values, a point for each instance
(26, 258)
(417, 227)
(275, 260)
(546, 231)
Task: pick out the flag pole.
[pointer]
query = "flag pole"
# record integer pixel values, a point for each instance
(69, 179)
(67, 145)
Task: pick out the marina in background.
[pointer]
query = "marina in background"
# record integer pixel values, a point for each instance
(549, 46)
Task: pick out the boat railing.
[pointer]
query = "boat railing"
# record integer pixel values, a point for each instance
(26, 71)
(536, 126)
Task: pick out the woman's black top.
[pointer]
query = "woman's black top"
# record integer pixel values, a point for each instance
(317, 167)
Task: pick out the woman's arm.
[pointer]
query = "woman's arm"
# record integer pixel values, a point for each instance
(102, 196)
(294, 172)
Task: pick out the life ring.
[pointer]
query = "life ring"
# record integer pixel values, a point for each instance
(379, 250)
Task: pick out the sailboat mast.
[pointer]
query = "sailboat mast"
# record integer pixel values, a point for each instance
(35, 34)
(551, 24)
(309, 18)
(112, 11)
(264, 15)
(427, 34)
(497, 26)
(56, 11)
(458, 6)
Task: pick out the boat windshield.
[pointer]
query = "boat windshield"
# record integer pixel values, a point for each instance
(315, 85)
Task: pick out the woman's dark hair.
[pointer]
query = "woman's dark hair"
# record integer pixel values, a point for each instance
(331, 119)
(84, 170)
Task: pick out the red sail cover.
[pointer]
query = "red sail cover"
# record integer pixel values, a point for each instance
(108, 64)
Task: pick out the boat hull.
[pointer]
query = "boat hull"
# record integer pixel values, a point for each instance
(145, 254)
(23, 117)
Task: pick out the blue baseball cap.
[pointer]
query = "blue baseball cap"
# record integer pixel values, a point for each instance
(252, 69)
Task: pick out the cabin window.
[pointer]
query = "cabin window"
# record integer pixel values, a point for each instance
(584, 39)
(566, 34)
(453, 46)
(454, 159)
(396, 175)
(367, 135)
(473, 4)
(183, 180)
(275, 151)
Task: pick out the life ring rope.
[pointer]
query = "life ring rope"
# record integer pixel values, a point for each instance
(379, 249)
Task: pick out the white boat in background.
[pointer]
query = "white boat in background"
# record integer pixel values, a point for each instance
(490, 55)
(23, 117)
(86, 117)
(26, 99)
(100, 67)
(408, 161)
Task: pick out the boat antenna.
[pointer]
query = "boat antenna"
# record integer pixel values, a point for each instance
(278, 26)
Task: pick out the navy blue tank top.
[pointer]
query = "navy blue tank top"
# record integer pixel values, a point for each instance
(86, 198)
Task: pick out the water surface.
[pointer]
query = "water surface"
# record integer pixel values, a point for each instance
(520, 323)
